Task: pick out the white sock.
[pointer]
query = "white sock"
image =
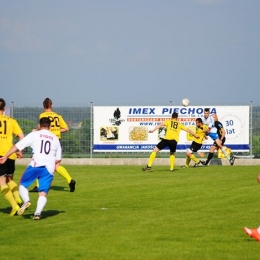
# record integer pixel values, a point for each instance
(258, 230)
(24, 193)
(42, 200)
(225, 153)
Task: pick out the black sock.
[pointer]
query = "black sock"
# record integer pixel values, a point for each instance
(210, 155)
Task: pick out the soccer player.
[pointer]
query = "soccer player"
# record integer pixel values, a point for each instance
(219, 141)
(58, 126)
(170, 139)
(254, 232)
(208, 120)
(46, 155)
(8, 128)
(201, 130)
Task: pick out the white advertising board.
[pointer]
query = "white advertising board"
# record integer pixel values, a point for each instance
(125, 128)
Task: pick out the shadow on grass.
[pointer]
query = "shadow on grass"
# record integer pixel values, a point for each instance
(59, 188)
(45, 214)
(6, 210)
(163, 170)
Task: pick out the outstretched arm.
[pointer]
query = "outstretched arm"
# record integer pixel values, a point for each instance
(157, 127)
(11, 151)
(192, 133)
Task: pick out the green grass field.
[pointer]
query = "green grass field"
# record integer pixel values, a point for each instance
(120, 212)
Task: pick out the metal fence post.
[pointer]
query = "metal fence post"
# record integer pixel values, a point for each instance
(12, 110)
(251, 129)
(91, 130)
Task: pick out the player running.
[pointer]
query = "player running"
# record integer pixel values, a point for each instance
(46, 155)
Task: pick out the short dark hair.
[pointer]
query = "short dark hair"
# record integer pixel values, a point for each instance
(174, 115)
(47, 103)
(199, 120)
(2, 104)
(45, 122)
(206, 109)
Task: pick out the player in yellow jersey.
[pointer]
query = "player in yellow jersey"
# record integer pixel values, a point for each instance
(58, 126)
(8, 128)
(171, 138)
(201, 130)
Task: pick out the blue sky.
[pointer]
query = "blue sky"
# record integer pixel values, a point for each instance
(130, 52)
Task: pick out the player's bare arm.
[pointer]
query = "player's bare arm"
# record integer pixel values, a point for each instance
(156, 128)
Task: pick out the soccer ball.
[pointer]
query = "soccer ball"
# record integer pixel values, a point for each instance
(185, 102)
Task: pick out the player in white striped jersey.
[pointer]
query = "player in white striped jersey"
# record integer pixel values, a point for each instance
(46, 150)
(208, 120)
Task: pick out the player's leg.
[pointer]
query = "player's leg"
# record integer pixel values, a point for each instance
(29, 176)
(45, 181)
(187, 163)
(10, 182)
(8, 195)
(172, 161)
(153, 155)
(219, 144)
(190, 152)
(253, 232)
(64, 173)
(14, 189)
(172, 145)
(210, 155)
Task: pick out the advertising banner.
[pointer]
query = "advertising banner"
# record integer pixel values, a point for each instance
(125, 128)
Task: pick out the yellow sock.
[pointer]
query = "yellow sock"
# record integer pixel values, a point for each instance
(187, 161)
(63, 172)
(14, 189)
(36, 183)
(193, 158)
(172, 160)
(151, 159)
(8, 196)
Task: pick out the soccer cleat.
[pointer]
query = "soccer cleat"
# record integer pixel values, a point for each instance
(232, 160)
(184, 166)
(147, 168)
(36, 217)
(203, 163)
(196, 164)
(72, 185)
(35, 189)
(25, 206)
(14, 211)
(252, 233)
(171, 170)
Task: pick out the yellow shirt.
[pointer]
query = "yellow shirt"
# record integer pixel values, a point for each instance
(201, 132)
(173, 129)
(8, 128)
(57, 122)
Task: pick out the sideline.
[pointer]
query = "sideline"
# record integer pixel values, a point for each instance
(139, 161)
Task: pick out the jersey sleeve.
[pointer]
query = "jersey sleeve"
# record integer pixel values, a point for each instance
(17, 129)
(183, 127)
(26, 141)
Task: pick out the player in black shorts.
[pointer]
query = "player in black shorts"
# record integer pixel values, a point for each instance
(221, 134)
(201, 130)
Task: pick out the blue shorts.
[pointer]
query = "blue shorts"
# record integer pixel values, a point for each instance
(41, 173)
(213, 136)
